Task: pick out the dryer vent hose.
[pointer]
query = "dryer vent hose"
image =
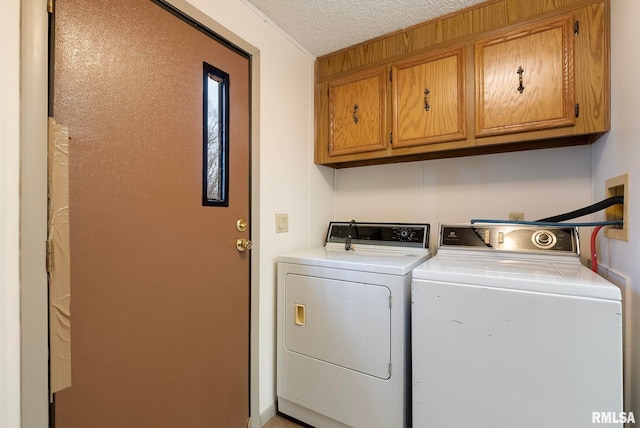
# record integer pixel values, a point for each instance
(599, 206)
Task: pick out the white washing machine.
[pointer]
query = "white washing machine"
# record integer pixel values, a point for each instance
(343, 353)
(509, 329)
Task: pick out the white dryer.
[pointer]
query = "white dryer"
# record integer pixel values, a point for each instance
(343, 355)
(510, 330)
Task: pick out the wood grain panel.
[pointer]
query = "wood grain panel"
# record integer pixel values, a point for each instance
(456, 27)
(357, 113)
(585, 77)
(347, 60)
(592, 64)
(438, 115)
(321, 101)
(545, 54)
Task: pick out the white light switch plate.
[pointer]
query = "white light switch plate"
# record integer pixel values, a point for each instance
(282, 223)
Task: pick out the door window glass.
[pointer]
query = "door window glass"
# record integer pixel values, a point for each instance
(216, 138)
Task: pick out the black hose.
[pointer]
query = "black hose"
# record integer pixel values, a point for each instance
(599, 206)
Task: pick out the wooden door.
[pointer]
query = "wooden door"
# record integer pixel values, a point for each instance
(525, 78)
(358, 113)
(159, 292)
(429, 99)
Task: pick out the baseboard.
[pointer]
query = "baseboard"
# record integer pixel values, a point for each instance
(267, 413)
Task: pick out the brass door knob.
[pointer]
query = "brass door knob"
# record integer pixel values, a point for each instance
(243, 245)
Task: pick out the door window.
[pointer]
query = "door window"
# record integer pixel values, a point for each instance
(216, 138)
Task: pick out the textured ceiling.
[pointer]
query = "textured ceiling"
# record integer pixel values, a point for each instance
(324, 26)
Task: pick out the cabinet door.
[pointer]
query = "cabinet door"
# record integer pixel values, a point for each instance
(358, 113)
(429, 99)
(525, 78)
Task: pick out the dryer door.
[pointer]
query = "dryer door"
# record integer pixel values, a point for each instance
(343, 323)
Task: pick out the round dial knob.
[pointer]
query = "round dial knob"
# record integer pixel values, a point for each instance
(403, 234)
(544, 239)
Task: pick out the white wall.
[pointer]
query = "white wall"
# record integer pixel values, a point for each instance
(619, 153)
(539, 183)
(9, 215)
(288, 181)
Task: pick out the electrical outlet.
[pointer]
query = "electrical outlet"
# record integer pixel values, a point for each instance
(282, 223)
(516, 216)
(618, 186)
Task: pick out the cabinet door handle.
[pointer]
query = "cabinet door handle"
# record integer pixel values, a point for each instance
(521, 87)
(355, 114)
(426, 99)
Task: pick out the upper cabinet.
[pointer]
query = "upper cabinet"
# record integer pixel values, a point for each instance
(525, 78)
(429, 99)
(358, 113)
(500, 76)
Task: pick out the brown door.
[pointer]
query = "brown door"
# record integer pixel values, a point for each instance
(159, 291)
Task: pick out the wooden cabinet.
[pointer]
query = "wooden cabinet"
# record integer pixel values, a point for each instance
(358, 113)
(429, 99)
(525, 78)
(501, 76)
(427, 106)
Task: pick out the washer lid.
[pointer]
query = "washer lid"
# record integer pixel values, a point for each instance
(361, 259)
(567, 277)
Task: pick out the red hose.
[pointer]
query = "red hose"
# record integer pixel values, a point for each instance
(594, 257)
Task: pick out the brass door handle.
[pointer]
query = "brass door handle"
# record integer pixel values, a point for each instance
(243, 245)
(519, 73)
(426, 99)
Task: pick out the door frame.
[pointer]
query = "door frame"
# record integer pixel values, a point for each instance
(34, 332)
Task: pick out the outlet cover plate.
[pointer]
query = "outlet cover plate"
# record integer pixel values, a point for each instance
(513, 216)
(282, 223)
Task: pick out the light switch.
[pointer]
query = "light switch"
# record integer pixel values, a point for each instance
(282, 223)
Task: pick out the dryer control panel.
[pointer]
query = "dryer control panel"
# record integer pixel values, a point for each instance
(509, 237)
(390, 234)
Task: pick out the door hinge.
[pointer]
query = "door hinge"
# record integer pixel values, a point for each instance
(391, 138)
(577, 110)
(50, 6)
(49, 259)
(576, 27)
(389, 369)
(391, 76)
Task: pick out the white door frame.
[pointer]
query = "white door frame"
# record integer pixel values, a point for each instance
(10, 215)
(33, 220)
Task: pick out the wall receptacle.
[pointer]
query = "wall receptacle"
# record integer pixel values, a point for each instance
(514, 216)
(618, 186)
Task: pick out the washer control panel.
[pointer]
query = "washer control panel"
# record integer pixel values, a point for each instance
(394, 234)
(509, 237)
